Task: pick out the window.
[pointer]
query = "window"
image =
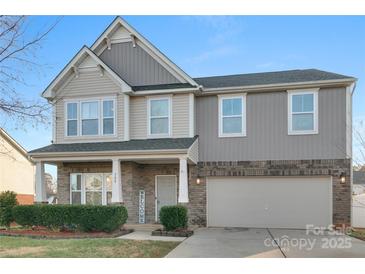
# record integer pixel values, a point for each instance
(90, 118)
(71, 119)
(96, 117)
(108, 117)
(232, 116)
(159, 117)
(302, 112)
(91, 188)
(75, 181)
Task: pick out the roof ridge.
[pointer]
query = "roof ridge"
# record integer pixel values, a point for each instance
(266, 72)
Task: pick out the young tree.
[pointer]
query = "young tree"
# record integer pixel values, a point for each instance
(19, 43)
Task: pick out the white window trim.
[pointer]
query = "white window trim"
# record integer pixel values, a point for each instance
(102, 117)
(315, 111)
(154, 98)
(100, 100)
(104, 191)
(77, 118)
(243, 97)
(99, 114)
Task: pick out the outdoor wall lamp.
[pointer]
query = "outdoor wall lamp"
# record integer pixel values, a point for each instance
(198, 181)
(343, 177)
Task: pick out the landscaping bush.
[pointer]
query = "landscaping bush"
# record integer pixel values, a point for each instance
(7, 202)
(82, 217)
(174, 217)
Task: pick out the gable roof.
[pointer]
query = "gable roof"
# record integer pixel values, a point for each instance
(270, 78)
(143, 144)
(67, 72)
(118, 21)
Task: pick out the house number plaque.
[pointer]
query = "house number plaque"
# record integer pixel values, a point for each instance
(141, 209)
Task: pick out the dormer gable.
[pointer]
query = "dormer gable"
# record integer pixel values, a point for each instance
(84, 61)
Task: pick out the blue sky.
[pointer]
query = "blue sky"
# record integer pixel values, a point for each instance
(211, 45)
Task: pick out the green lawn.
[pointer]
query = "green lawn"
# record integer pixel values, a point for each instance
(24, 247)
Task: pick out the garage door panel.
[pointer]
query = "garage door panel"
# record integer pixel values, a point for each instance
(269, 202)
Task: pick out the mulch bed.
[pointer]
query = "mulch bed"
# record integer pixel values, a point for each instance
(49, 234)
(174, 233)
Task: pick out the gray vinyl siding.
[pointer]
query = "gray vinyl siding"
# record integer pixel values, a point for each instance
(267, 133)
(135, 66)
(86, 86)
(180, 116)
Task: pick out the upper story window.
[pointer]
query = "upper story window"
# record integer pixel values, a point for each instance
(97, 117)
(72, 117)
(159, 117)
(108, 117)
(303, 112)
(90, 118)
(232, 116)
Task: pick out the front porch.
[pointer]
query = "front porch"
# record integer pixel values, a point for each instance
(142, 186)
(141, 174)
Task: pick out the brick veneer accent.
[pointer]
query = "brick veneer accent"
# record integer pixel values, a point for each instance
(135, 177)
(140, 176)
(341, 191)
(63, 176)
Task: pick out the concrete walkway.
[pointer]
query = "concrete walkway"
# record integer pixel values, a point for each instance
(266, 243)
(144, 235)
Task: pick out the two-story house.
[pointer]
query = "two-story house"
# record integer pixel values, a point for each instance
(252, 150)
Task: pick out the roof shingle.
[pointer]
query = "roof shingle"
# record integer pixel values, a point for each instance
(149, 144)
(267, 78)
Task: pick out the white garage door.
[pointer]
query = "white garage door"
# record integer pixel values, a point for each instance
(280, 202)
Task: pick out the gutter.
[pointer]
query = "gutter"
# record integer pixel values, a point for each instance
(164, 91)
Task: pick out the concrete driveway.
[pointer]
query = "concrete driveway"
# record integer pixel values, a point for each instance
(266, 243)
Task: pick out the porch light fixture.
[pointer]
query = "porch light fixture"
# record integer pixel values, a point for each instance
(198, 181)
(342, 177)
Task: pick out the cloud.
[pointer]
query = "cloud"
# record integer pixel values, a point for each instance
(223, 28)
(215, 53)
(222, 33)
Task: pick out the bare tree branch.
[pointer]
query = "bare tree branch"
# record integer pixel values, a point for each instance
(19, 43)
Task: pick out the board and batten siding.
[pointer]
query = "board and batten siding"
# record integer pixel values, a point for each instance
(87, 86)
(180, 116)
(135, 66)
(267, 132)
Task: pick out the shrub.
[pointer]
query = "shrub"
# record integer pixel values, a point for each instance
(82, 217)
(27, 215)
(174, 217)
(7, 202)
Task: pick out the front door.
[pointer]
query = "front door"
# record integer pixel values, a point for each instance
(166, 192)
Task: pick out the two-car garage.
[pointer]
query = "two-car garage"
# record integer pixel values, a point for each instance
(269, 202)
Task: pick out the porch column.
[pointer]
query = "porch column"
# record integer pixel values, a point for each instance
(40, 188)
(183, 182)
(117, 196)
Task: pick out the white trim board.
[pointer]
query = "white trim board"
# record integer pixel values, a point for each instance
(314, 112)
(243, 115)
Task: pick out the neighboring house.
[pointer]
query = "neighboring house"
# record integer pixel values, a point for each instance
(16, 169)
(358, 199)
(51, 188)
(358, 186)
(251, 150)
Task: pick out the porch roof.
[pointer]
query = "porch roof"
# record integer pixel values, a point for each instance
(132, 145)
